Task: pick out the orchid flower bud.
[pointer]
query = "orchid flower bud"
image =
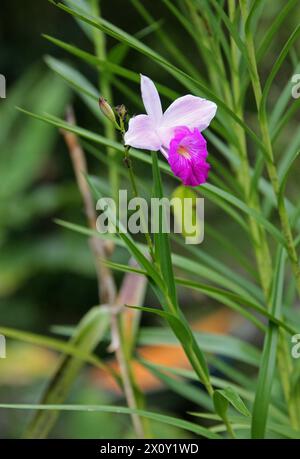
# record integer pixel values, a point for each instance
(121, 111)
(107, 110)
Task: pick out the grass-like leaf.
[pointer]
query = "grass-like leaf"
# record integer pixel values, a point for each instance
(268, 359)
(186, 425)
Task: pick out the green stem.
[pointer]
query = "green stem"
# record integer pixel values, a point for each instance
(128, 163)
(260, 244)
(283, 358)
(270, 164)
(235, 81)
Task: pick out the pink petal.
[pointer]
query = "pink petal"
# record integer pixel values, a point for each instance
(187, 156)
(151, 99)
(190, 111)
(141, 134)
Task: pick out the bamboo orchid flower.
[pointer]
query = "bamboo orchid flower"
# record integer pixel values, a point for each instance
(176, 132)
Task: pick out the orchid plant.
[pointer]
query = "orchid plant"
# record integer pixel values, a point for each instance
(256, 391)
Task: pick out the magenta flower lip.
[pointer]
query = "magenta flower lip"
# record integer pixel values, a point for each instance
(185, 118)
(187, 156)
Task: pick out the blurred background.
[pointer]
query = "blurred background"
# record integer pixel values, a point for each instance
(47, 275)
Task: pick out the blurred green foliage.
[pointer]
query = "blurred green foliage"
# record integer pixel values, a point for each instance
(46, 273)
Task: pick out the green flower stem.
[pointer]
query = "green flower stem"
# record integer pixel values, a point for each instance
(128, 162)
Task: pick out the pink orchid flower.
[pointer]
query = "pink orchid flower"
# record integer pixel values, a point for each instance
(176, 132)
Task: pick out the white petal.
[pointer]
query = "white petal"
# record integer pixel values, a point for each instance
(151, 99)
(190, 111)
(166, 134)
(142, 134)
